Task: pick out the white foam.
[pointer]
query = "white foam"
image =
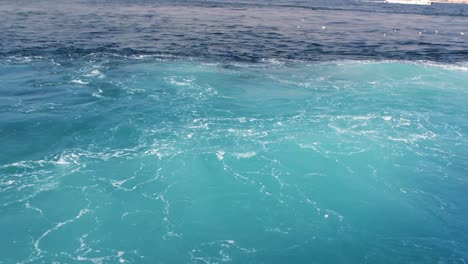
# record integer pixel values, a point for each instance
(78, 81)
(97, 95)
(95, 73)
(28, 205)
(366, 117)
(177, 81)
(118, 184)
(9, 182)
(278, 230)
(55, 228)
(274, 61)
(119, 255)
(245, 155)
(61, 161)
(461, 66)
(220, 155)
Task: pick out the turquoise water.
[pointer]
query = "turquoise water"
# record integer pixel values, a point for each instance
(147, 160)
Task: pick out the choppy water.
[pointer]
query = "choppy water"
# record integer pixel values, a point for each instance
(211, 132)
(229, 31)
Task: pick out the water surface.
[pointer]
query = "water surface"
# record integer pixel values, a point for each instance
(211, 132)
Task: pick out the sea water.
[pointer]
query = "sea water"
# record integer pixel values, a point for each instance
(246, 152)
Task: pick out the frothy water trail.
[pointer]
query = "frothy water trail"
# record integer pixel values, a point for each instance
(175, 161)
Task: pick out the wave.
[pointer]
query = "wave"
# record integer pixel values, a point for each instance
(274, 62)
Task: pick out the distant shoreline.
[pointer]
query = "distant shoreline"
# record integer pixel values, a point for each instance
(451, 1)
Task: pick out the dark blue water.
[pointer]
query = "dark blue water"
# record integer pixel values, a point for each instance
(229, 30)
(233, 132)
